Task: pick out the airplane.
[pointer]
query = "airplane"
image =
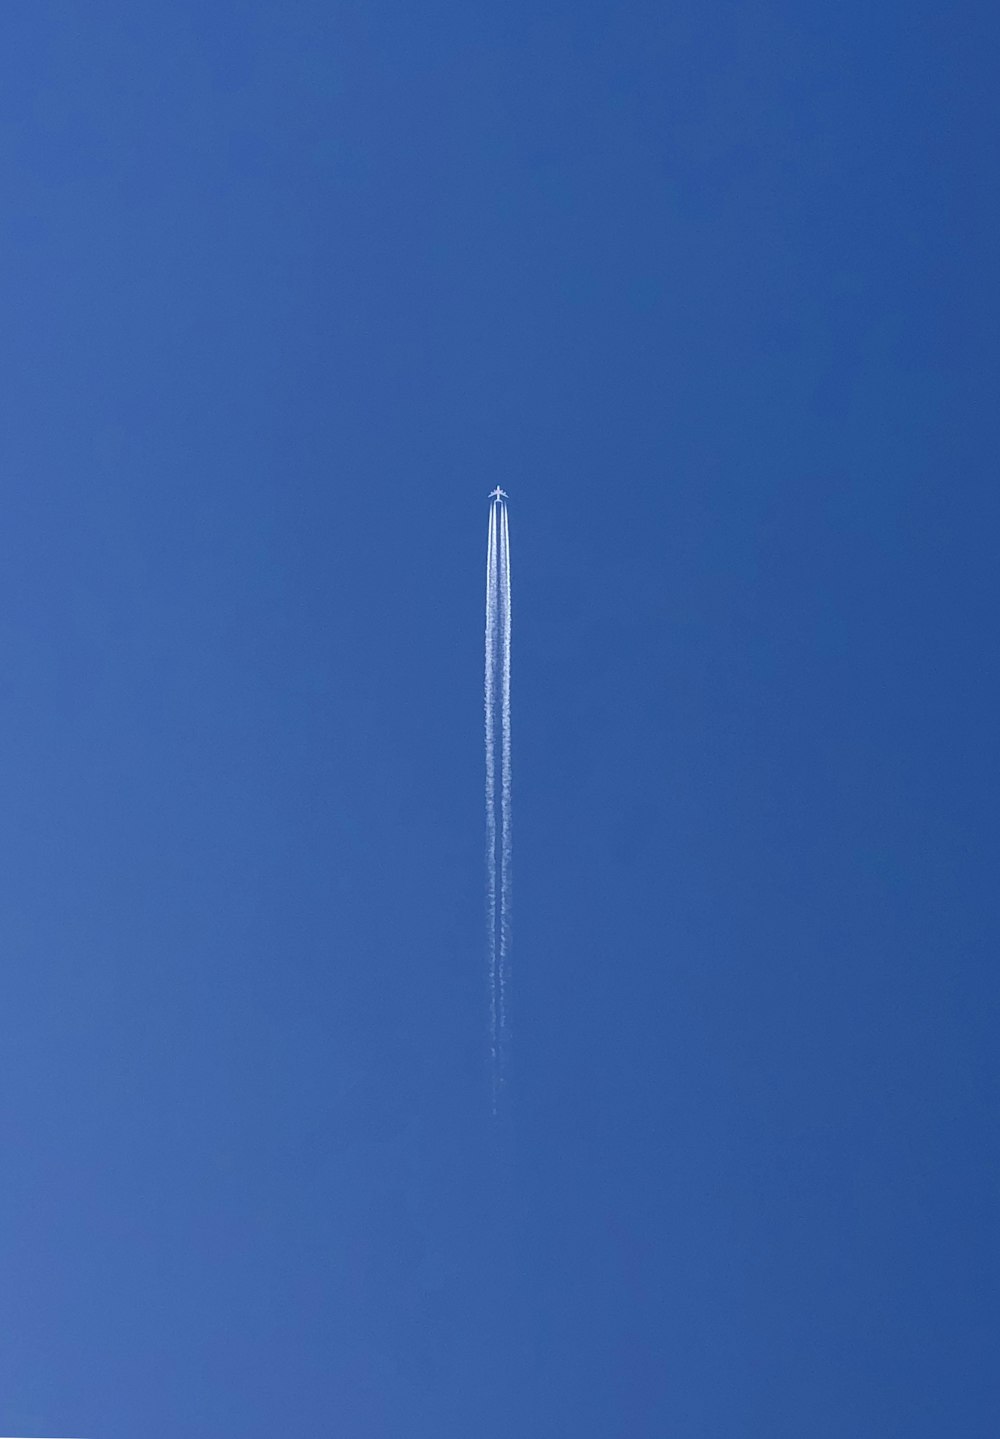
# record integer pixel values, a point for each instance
(498, 494)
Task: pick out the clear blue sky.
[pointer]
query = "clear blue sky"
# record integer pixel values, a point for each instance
(711, 289)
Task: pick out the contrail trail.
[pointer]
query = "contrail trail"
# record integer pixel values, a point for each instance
(506, 844)
(491, 783)
(499, 843)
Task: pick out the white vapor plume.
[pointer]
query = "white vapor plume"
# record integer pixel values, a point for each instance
(506, 838)
(499, 838)
(491, 798)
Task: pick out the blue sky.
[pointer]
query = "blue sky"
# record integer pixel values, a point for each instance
(711, 290)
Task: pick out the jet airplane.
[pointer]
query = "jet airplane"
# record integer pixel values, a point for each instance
(497, 495)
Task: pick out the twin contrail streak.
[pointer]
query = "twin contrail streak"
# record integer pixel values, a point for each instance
(499, 837)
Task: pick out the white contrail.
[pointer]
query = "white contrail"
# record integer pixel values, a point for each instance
(491, 810)
(506, 834)
(499, 850)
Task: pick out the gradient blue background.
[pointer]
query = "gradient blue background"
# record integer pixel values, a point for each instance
(711, 289)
